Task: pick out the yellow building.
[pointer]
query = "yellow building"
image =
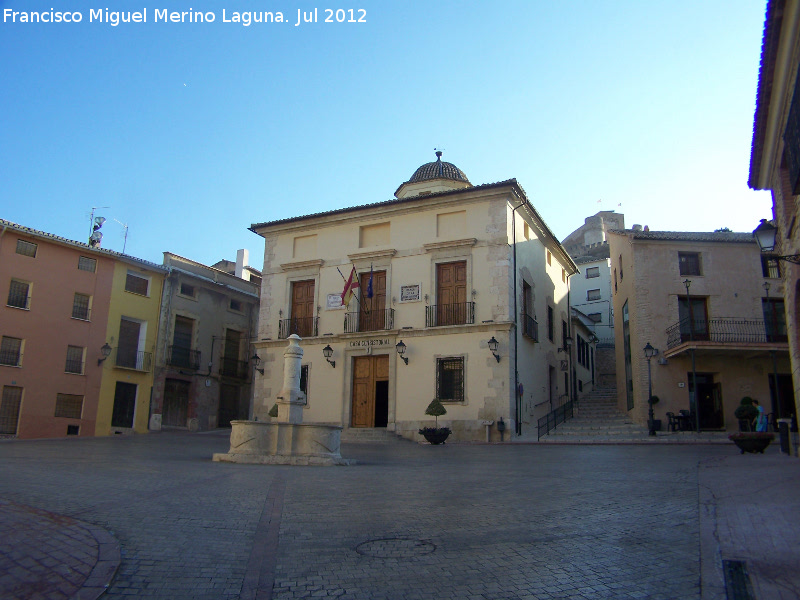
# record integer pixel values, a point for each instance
(132, 329)
(446, 269)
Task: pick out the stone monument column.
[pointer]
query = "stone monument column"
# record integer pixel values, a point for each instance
(291, 399)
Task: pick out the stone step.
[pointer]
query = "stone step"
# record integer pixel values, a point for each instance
(369, 434)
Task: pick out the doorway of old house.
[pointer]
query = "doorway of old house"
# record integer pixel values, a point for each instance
(709, 397)
(782, 404)
(175, 411)
(228, 404)
(370, 402)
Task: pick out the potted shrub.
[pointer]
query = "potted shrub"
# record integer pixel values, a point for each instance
(752, 441)
(435, 435)
(746, 413)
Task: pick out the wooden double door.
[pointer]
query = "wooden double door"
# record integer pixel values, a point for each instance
(370, 405)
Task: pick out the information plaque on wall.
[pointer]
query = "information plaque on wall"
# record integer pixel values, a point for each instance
(333, 302)
(410, 293)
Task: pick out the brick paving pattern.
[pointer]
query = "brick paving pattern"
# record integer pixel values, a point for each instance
(408, 522)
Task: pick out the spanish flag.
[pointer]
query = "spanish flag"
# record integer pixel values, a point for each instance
(350, 286)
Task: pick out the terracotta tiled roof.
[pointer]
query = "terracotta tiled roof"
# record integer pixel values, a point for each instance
(438, 170)
(80, 245)
(690, 236)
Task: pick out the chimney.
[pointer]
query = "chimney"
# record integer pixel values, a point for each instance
(242, 258)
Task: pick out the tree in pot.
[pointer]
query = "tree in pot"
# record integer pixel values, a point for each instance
(435, 435)
(746, 413)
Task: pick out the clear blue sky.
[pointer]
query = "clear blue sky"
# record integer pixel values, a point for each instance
(190, 132)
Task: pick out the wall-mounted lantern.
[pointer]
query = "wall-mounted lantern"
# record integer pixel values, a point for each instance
(327, 352)
(257, 361)
(493, 343)
(105, 350)
(401, 350)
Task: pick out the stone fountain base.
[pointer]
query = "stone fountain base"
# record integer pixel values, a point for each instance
(261, 443)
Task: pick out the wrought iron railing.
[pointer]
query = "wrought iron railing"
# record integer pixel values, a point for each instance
(183, 357)
(721, 331)
(304, 327)
(375, 320)
(554, 418)
(134, 359)
(233, 367)
(439, 315)
(530, 328)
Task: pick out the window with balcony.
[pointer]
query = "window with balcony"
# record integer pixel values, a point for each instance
(232, 365)
(136, 284)
(80, 306)
(19, 294)
(181, 353)
(87, 264)
(26, 248)
(592, 272)
(302, 320)
(774, 319)
(372, 314)
(452, 307)
(693, 316)
(11, 351)
(69, 406)
(131, 339)
(450, 379)
(689, 263)
(75, 360)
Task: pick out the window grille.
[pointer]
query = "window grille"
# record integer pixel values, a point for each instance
(19, 294)
(87, 264)
(80, 307)
(9, 409)
(10, 351)
(74, 360)
(69, 406)
(136, 284)
(770, 267)
(450, 379)
(27, 248)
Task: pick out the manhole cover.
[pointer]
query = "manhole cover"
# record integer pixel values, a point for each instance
(395, 548)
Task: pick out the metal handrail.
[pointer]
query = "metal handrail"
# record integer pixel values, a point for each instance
(530, 328)
(440, 315)
(721, 331)
(375, 320)
(183, 357)
(133, 359)
(304, 327)
(233, 367)
(554, 418)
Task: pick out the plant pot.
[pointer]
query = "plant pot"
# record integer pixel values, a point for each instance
(435, 435)
(752, 442)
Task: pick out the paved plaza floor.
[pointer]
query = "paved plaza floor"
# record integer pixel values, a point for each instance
(474, 522)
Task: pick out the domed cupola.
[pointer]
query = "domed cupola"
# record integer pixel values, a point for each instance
(434, 177)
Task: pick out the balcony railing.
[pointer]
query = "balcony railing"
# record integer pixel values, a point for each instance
(376, 320)
(439, 315)
(233, 367)
(183, 358)
(134, 359)
(530, 328)
(305, 327)
(722, 331)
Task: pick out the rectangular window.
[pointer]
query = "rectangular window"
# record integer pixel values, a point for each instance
(19, 294)
(689, 263)
(87, 264)
(550, 325)
(593, 295)
(620, 267)
(450, 379)
(564, 275)
(549, 258)
(11, 351)
(564, 334)
(774, 319)
(74, 360)
(136, 284)
(596, 317)
(9, 409)
(592, 272)
(615, 280)
(236, 305)
(80, 306)
(770, 267)
(69, 406)
(187, 290)
(304, 381)
(27, 248)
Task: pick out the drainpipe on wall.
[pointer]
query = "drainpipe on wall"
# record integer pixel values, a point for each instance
(517, 409)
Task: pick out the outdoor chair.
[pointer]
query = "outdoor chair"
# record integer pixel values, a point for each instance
(674, 423)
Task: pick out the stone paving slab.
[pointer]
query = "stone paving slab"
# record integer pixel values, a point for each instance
(409, 521)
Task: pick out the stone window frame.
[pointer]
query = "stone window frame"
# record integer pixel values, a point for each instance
(438, 358)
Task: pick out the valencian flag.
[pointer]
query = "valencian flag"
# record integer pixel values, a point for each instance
(350, 286)
(369, 283)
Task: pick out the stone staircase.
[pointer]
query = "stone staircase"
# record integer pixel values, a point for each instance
(369, 435)
(598, 419)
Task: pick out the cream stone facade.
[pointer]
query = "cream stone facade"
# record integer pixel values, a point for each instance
(775, 158)
(732, 324)
(453, 266)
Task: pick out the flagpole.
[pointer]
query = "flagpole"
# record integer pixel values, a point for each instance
(359, 286)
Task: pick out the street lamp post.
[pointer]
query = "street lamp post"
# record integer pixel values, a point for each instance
(693, 405)
(776, 408)
(650, 352)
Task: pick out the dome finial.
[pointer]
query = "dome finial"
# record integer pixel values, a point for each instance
(438, 154)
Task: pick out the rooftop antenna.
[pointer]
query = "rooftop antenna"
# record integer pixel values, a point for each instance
(125, 238)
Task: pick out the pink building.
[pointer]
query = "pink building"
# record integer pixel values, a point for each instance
(53, 321)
